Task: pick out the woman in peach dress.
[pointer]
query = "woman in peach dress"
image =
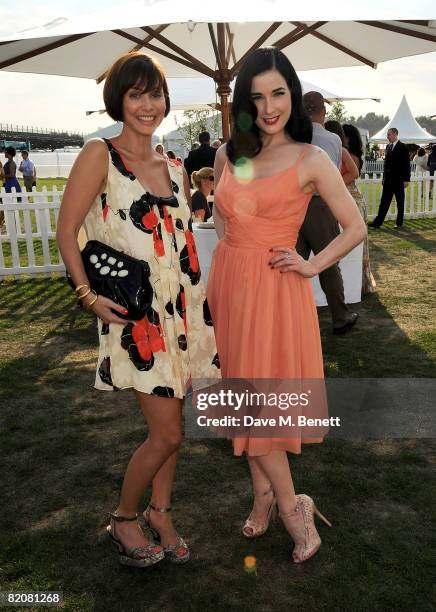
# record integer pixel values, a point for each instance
(259, 289)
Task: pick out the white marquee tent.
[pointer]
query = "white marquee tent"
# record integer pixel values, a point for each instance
(408, 128)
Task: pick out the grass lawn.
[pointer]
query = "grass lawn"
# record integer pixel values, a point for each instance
(64, 448)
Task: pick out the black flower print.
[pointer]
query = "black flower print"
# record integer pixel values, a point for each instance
(206, 313)
(163, 391)
(118, 162)
(189, 259)
(104, 371)
(104, 329)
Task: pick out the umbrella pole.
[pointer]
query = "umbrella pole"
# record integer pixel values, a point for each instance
(224, 90)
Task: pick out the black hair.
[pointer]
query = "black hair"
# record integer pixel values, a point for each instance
(132, 70)
(11, 151)
(204, 137)
(245, 139)
(334, 126)
(355, 145)
(421, 152)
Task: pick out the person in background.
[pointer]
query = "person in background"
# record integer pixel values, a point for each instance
(172, 156)
(217, 143)
(27, 168)
(2, 180)
(10, 170)
(353, 142)
(159, 149)
(431, 165)
(320, 227)
(420, 160)
(203, 157)
(348, 169)
(203, 182)
(396, 177)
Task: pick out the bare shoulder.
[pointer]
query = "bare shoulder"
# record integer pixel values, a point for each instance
(315, 155)
(221, 154)
(95, 151)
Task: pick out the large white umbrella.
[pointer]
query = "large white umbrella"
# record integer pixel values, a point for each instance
(214, 38)
(200, 94)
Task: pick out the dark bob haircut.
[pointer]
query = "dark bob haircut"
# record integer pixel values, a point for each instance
(245, 139)
(11, 151)
(132, 70)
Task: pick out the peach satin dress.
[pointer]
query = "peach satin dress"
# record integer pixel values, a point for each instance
(266, 323)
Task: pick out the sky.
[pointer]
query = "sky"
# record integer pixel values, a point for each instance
(48, 101)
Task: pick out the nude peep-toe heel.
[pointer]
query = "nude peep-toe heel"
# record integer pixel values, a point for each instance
(300, 525)
(141, 556)
(251, 529)
(176, 553)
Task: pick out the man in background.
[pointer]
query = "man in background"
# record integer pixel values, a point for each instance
(27, 167)
(203, 157)
(320, 226)
(396, 177)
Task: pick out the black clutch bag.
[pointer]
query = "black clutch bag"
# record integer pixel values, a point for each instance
(119, 277)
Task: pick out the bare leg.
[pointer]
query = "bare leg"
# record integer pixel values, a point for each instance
(275, 467)
(163, 417)
(161, 498)
(261, 484)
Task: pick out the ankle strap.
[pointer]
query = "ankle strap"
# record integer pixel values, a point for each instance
(121, 519)
(161, 510)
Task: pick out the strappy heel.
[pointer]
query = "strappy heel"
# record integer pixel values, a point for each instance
(300, 525)
(141, 556)
(251, 529)
(176, 553)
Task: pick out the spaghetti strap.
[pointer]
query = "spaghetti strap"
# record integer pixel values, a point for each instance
(302, 155)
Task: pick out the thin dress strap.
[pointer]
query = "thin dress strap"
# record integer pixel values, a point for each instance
(305, 150)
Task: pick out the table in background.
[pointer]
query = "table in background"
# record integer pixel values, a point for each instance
(351, 266)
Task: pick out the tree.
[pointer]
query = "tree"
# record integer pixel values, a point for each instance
(195, 121)
(371, 122)
(338, 112)
(427, 123)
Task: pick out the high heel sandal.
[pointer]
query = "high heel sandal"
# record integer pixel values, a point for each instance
(257, 529)
(173, 551)
(141, 556)
(301, 526)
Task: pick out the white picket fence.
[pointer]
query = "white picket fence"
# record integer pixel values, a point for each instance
(27, 236)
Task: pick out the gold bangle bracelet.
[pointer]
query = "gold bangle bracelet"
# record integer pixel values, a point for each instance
(87, 306)
(84, 294)
(79, 287)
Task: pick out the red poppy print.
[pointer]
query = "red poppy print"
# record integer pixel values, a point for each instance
(104, 205)
(143, 339)
(189, 258)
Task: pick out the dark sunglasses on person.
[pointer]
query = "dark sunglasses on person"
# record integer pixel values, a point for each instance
(210, 178)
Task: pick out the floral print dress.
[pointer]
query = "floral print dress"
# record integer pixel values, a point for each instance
(174, 343)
